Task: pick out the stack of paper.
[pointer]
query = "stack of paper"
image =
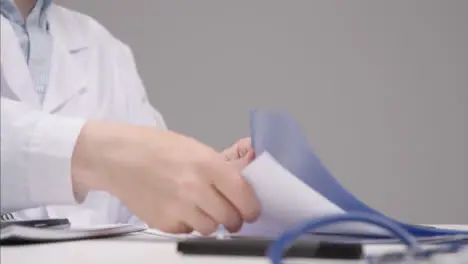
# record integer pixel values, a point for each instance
(20, 234)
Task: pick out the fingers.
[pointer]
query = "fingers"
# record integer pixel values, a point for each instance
(244, 146)
(199, 221)
(239, 193)
(215, 205)
(240, 164)
(239, 150)
(181, 228)
(230, 153)
(172, 227)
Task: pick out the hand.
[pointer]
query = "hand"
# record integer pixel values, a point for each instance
(172, 182)
(240, 154)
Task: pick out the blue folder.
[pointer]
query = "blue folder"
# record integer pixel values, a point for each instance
(279, 135)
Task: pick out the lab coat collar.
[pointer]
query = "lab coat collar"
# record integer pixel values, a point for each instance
(64, 25)
(67, 76)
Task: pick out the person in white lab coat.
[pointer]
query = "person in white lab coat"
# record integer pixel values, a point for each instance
(79, 138)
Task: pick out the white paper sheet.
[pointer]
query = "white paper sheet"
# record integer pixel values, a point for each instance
(169, 236)
(286, 201)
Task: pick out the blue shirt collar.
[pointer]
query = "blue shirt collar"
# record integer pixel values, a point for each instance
(38, 14)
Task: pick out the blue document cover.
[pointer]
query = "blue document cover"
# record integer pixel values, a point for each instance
(280, 136)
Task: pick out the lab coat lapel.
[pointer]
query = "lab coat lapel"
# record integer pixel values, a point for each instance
(15, 69)
(67, 75)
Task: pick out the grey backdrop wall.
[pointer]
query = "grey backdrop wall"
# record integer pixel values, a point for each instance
(380, 87)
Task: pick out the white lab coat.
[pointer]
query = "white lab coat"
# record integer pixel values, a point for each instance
(93, 76)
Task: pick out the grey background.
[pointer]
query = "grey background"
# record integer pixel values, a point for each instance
(380, 87)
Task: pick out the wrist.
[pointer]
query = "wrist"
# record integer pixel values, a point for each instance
(106, 154)
(87, 160)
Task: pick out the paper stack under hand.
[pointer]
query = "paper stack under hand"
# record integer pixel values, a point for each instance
(15, 234)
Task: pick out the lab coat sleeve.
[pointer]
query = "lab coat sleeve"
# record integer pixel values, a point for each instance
(36, 150)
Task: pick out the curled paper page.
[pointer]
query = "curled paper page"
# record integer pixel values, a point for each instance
(286, 201)
(281, 137)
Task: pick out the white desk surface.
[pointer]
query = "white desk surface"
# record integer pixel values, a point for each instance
(138, 249)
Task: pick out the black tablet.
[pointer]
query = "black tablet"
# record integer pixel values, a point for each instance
(257, 247)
